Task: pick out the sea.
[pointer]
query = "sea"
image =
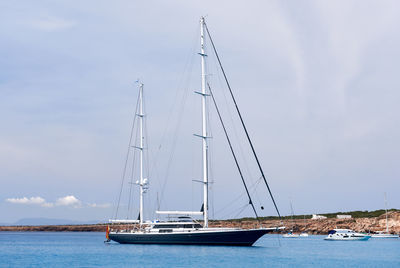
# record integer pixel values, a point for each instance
(59, 249)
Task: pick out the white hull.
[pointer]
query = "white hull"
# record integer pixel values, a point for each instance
(362, 238)
(290, 235)
(303, 235)
(346, 235)
(385, 236)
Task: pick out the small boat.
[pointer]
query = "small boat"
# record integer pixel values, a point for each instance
(346, 235)
(290, 235)
(382, 234)
(303, 234)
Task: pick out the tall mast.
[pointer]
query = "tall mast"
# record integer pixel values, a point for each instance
(204, 125)
(387, 227)
(141, 180)
(291, 209)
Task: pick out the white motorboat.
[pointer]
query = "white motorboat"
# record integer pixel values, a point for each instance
(346, 235)
(386, 234)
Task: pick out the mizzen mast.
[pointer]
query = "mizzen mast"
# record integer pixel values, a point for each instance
(142, 181)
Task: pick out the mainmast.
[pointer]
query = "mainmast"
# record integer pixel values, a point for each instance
(204, 123)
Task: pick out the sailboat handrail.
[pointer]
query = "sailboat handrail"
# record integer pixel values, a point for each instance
(123, 221)
(177, 212)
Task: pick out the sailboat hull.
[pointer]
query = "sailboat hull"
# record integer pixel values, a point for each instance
(236, 237)
(385, 235)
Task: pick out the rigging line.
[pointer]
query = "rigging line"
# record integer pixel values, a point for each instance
(229, 214)
(146, 145)
(127, 157)
(182, 85)
(210, 158)
(156, 176)
(240, 212)
(185, 87)
(239, 148)
(148, 156)
(151, 160)
(254, 192)
(132, 175)
(236, 135)
(233, 153)
(146, 138)
(232, 202)
(174, 141)
(241, 119)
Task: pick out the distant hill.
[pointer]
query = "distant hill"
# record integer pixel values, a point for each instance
(47, 221)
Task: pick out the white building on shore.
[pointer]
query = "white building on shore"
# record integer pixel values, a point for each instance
(343, 216)
(317, 217)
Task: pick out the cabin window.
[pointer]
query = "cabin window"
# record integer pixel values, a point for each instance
(164, 226)
(165, 231)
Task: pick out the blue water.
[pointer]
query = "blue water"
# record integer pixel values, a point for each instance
(48, 249)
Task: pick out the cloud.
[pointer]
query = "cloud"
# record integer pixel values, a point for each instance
(68, 200)
(29, 201)
(94, 205)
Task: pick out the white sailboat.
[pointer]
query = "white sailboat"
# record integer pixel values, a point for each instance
(185, 230)
(385, 234)
(304, 233)
(290, 234)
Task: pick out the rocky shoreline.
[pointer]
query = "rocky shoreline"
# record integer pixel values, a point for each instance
(311, 226)
(323, 226)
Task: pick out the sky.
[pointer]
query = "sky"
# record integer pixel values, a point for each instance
(317, 83)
